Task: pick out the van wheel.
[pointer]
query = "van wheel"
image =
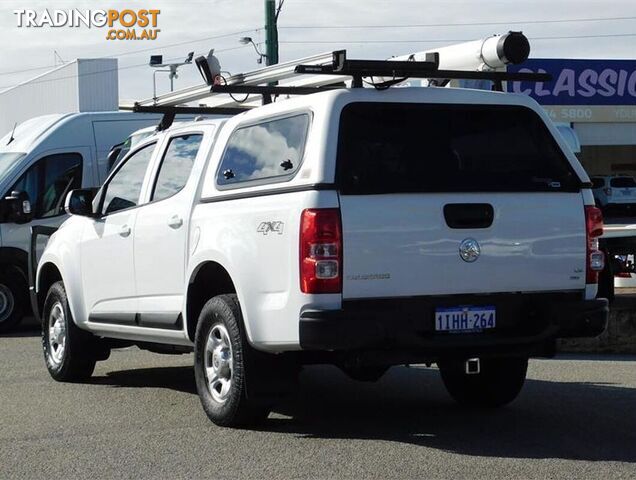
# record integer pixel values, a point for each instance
(70, 353)
(13, 299)
(498, 383)
(223, 360)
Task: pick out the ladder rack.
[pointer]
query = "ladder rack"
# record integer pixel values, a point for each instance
(270, 74)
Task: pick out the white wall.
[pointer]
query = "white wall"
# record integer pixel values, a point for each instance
(83, 85)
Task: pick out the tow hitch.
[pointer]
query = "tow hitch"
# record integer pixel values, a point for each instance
(472, 366)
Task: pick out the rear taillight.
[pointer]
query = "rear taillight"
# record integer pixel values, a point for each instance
(320, 251)
(595, 259)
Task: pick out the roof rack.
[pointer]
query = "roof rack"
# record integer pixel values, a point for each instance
(402, 70)
(326, 71)
(170, 112)
(267, 75)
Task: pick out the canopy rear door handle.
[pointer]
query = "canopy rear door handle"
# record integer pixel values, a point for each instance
(469, 215)
(124, 231)
(175, 222)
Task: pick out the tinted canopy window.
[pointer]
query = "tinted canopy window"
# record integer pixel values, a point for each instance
(264, 151)
(176, 165)
(392, 148)
(623, 182)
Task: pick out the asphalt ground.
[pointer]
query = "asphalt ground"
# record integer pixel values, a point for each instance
(140, 417)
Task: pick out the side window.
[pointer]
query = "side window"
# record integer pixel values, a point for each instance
(264, 151)
(124, 188)
(176, 165)
(49, 180)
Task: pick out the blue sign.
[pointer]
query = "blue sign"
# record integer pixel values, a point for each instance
(579, 82)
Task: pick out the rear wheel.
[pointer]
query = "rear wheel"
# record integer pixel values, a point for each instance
(13, 299)
(223, 363)
(70, 353)
(499, 382)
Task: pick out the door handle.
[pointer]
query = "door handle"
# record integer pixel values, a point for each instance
(175, 222)
(124, 231)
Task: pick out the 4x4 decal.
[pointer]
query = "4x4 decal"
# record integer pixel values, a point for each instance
(266, 227)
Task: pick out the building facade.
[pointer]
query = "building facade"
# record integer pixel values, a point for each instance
(597, 100)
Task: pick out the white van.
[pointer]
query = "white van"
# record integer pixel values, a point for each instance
(41, 160)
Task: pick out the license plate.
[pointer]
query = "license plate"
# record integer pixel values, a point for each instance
(465, 319)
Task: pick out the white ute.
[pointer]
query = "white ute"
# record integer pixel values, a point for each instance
(357, 227)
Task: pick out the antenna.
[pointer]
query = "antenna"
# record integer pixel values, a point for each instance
(56, 57)
(12, 138)
(156, 61)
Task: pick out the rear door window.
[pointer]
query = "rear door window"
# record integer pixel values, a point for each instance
(421, 148)
(622, 182)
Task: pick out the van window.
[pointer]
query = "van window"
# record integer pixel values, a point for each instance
(9, 161)
(124, 188)
(622, 182)
(49, 180)
(411, 148)
(266, 151)
(176, 165)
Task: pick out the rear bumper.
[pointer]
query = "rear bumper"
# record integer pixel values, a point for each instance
(523, 323)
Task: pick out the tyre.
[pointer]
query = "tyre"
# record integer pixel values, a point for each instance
(498, 383)
(13, 299)
(223, 361)
(70, 353)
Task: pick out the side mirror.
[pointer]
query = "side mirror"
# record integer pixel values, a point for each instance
(80, 202)
(16, 208)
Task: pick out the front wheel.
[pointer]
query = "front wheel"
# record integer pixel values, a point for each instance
(223, 360)
(70, 353)
(499, 382)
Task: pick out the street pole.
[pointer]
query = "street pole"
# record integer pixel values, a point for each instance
(271, 33)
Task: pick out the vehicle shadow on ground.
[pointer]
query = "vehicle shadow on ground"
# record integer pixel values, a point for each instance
(579, 421)
(180, 379)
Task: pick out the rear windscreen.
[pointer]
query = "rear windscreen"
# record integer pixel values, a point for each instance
(598, 183)
(412, 148)
(622, 182)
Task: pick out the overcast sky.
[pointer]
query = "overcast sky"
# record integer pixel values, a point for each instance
(197, 20)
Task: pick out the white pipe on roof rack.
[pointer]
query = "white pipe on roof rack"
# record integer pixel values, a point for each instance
(490, 53)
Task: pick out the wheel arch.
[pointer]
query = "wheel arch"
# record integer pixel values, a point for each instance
(207, 280)
(48, 274)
